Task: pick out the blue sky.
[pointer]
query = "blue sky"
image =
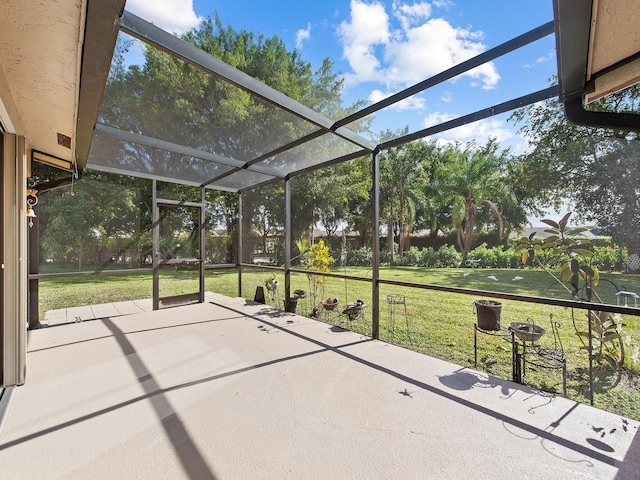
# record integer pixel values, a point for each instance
(382, 47)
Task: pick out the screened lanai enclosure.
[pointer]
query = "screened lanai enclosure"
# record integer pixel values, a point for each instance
(201, 177)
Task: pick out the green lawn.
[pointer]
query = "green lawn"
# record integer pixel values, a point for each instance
(440, 324)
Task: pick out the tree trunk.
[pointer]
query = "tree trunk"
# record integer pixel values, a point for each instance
(468, 229)
(390, 236)
(80, 257)
(401, 227)
(405, 238)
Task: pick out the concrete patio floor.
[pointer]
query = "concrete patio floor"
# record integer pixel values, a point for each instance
(229, 389)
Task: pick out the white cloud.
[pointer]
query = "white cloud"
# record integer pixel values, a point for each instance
(369, 27)
(412, 103)
(418, 48)
(482, 131)
(175, 16)
(437, 118)
(409, 15)
(432, 48)
(549, 56)
(443, 3)
(302, 35)
(520, 146)
(446, 97)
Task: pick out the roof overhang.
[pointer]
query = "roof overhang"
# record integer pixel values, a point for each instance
(55, 62)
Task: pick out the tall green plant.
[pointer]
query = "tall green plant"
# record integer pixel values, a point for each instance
(580, 278)
(302, 245)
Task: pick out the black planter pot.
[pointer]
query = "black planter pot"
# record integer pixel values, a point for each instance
(291, 304)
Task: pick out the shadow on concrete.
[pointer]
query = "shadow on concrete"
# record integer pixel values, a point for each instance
(192, 461)
(542, 434)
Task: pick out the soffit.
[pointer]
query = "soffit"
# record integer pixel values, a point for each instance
(598, 51)
(615, 33)
(40, 48)
(614, 46)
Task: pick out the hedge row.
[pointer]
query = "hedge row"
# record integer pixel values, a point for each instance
(606, 258)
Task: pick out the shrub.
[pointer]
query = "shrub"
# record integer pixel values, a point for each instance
(385, 256)
(360, 258)
(428, 257)
(318, 259)
(608, 258)
(412, 257)
(611, 258)
(486, 257)
(496, 257)
(447, 256)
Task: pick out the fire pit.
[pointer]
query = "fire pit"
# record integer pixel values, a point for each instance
(527, 332)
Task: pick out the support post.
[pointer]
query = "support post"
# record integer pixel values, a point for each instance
(202, 243)
(591, 397)
(287, 241)
(155, 242)
(13, 256)
(34, 268)
(375, 247)
(239, 245)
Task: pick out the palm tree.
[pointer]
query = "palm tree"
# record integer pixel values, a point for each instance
(398, 173)
(401, 179)
(472, 178)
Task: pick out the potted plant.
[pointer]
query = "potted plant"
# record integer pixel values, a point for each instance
(271, 284)
(329, 303)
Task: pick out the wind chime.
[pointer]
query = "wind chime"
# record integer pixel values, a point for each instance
(32, 200)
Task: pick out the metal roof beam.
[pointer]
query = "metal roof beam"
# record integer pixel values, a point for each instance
(303, 171)
(152, 176)
(143, 140)
(300, 141)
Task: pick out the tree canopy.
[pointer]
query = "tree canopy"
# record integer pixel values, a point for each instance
(596, 170)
